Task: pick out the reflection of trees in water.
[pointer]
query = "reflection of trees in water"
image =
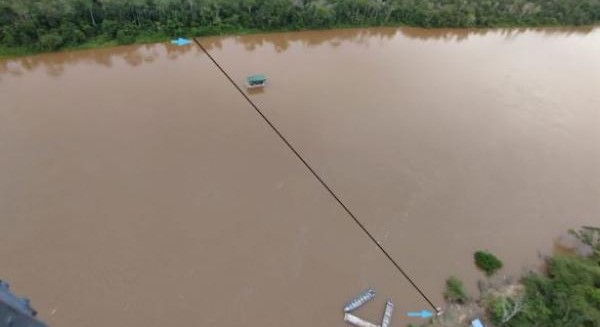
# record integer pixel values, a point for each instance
(134, 56)
(463, 34)
(440, 34)
(54, 63)
(281, 41)
(549, 31)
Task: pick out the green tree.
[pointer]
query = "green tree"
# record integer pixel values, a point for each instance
(487, 262)
(50, 41)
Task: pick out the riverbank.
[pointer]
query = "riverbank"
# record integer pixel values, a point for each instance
(565, 292)
(64, 25)
(103, 42)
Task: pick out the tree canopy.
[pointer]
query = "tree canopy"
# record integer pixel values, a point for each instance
(43, 25)
(569, 296)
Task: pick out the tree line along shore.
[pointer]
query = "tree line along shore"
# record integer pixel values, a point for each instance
(564, 293)
(30, 26)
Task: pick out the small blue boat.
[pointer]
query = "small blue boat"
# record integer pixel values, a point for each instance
(477, 323)
(358, 301)
(181, 41)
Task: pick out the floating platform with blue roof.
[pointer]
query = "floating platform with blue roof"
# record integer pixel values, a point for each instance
(254, 81)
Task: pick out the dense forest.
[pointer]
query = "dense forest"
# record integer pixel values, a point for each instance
(45, 25)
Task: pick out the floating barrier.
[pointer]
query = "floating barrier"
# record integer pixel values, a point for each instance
(358, 301)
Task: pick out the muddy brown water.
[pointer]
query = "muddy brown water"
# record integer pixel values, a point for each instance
(137, 188)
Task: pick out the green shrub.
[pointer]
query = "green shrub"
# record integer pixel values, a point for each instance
(455, 291)
(50, 41)
(502, 309)
(495, 309)
(127, 33)
(487, 262)
(71, 34)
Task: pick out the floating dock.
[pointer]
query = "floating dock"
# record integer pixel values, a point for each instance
(256, 81)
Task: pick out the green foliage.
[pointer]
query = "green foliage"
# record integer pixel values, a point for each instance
(569, 296)
(35, 24)
(50, 41)
(13, 52)
(496, 310)
(487, 262)
(503, 309)
(455, 291)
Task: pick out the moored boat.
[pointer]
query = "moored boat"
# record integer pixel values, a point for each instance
(387, 314)
(358, 322)
(358, 301)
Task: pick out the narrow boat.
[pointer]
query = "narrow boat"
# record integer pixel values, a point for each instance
(255, 81)
(358, 301)
(358, 322)
(477, 323)
(387, 314)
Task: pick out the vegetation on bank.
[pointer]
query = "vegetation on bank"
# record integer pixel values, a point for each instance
(455, 291)
(565, 294)
(47, 25)
(568, 295)
(487, 262)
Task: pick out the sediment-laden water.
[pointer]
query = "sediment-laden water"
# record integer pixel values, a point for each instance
(137, 188)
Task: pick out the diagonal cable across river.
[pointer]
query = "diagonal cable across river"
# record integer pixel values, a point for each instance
(318, 177)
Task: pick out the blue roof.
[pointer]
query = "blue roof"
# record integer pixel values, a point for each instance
(181, 41)
(256, 78)
(477, 323)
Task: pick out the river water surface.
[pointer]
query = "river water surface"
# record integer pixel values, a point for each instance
(137, 188)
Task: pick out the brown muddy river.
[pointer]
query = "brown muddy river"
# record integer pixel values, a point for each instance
(137, 188)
